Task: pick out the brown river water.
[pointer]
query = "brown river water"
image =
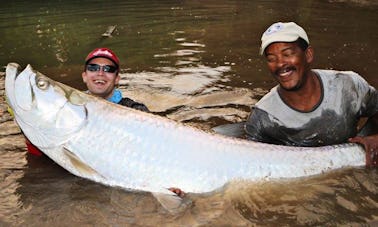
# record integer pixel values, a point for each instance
(195, 62)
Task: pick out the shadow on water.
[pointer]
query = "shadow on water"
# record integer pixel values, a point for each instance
(195, 62)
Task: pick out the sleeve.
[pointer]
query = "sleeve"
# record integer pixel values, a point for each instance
(132, 104)
(369, 97)
(140, 106)
(369, 106)
(371, 102)
(257, 122)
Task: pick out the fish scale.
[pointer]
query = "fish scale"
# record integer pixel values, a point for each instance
(120, 146)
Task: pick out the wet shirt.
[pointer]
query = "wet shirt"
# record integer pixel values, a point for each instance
(118, 99)
(132, 104)
(346, 97)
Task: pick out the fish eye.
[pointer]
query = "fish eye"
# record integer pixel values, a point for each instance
(42, 83)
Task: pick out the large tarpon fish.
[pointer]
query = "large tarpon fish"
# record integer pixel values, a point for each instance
(119, 146)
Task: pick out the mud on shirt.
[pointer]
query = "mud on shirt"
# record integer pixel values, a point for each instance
(346, 97)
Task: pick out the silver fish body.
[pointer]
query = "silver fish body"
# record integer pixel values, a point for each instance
(119, 146)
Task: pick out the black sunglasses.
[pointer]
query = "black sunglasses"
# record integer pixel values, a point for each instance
(105, 68)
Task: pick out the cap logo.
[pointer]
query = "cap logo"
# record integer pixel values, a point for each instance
(102, 53)
(274, 28)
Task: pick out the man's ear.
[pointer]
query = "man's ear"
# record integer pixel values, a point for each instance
(118, 77)
(309, 54)
(84, 76)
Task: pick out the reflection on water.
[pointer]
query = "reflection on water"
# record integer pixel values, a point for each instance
(183, 80)
(196, 62)
(188, 90)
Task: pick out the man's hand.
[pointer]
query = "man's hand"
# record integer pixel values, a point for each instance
(177, 191)
(370, 144)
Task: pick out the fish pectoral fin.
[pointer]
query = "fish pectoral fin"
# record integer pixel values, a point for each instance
(80, 166)
(169, 200)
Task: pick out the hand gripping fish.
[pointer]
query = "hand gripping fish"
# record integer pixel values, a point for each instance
(119, 146)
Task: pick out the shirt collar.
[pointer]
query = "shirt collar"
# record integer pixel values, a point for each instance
(116, 97)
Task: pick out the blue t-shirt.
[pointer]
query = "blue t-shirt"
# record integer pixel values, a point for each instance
(116, 97)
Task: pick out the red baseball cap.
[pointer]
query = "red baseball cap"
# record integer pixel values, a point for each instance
(102, 53)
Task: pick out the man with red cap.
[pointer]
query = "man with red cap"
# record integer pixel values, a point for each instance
(101, 77)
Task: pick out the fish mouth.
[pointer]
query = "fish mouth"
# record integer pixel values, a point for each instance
(18, 86)
(48, 113)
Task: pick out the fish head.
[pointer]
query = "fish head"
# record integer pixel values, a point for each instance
(48, 113)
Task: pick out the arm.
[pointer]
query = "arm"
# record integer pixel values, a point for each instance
(370, 143)
(132, 104)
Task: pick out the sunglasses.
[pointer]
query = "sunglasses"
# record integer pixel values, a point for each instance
(105, 68)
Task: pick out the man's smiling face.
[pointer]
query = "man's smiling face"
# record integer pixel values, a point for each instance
(101, 83)
(288, 63)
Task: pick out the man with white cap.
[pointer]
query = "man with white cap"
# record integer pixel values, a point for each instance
(311, 107)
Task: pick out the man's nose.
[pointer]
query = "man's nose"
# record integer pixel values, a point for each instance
(281, 61)
(101, 71)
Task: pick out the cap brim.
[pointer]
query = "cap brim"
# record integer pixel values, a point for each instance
(282, 38)
(86, 62)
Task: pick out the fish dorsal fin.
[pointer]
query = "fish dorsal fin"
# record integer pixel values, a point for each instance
(82, 168)
(169, 200)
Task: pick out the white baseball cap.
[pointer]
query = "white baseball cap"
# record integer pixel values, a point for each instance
(282, 32)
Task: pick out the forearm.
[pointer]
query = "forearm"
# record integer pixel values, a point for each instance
(370, 142)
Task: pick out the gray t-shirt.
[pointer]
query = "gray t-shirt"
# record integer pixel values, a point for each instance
(346, 97)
